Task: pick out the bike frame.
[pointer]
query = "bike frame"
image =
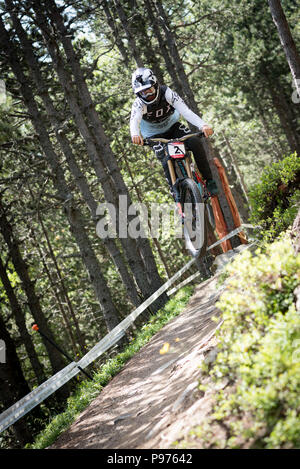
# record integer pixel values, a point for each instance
(191, 181)
(185, 159)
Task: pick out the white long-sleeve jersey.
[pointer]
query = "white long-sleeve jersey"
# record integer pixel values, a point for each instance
(159, 117)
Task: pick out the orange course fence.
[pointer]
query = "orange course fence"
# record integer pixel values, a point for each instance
(221, 227)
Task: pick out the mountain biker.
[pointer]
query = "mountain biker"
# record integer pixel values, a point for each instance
(155, 113)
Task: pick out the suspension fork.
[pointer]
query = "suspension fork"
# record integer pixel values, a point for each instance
(173, 179)
(188, 170)
(172, 171)
(188, 166)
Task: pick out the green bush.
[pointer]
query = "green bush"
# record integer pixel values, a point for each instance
(275, 199)
(259, 349)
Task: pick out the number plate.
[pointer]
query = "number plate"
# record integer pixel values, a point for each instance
(176, 149)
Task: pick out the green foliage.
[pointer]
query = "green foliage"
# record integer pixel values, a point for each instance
(259, 345)
(275, 199)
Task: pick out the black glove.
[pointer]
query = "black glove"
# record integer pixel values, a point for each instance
(159, 151)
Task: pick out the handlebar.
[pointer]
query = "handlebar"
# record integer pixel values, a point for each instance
(149, 140)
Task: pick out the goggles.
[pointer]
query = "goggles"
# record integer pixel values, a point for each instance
(147, 92)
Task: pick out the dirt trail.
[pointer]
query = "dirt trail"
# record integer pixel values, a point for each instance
(151, 402)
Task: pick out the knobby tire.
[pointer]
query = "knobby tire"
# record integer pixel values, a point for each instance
(190, 194)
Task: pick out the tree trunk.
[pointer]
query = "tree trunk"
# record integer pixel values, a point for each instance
(156, 242)
(281, 106)
(170, 37)
(170, 66)
(236, 169)
(19, 317)
(269, 130)
(139, 23)
(28, 285)
(130, 38)
(130, 250)
(13, 385)
(101, 289)
(180, 79)
(79, 177)
(75, 219)
(100, 137)
(55, 291)
(116, 37)
(287, 41)
(79, 334)
(137, 28)
(139, 253)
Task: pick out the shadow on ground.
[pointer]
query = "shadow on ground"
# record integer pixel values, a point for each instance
(143, 400)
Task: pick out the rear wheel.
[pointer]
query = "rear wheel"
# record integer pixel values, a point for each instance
(195, 218)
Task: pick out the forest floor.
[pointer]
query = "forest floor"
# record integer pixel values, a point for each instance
(154, 401)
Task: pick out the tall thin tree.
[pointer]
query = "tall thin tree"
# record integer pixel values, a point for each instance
(287, 41)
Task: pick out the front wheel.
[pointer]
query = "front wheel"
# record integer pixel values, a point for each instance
(211, 217)
(195, 218)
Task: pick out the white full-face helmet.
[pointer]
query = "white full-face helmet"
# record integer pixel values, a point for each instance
(145, 85)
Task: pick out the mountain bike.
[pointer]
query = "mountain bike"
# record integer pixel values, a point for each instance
(189, 191)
